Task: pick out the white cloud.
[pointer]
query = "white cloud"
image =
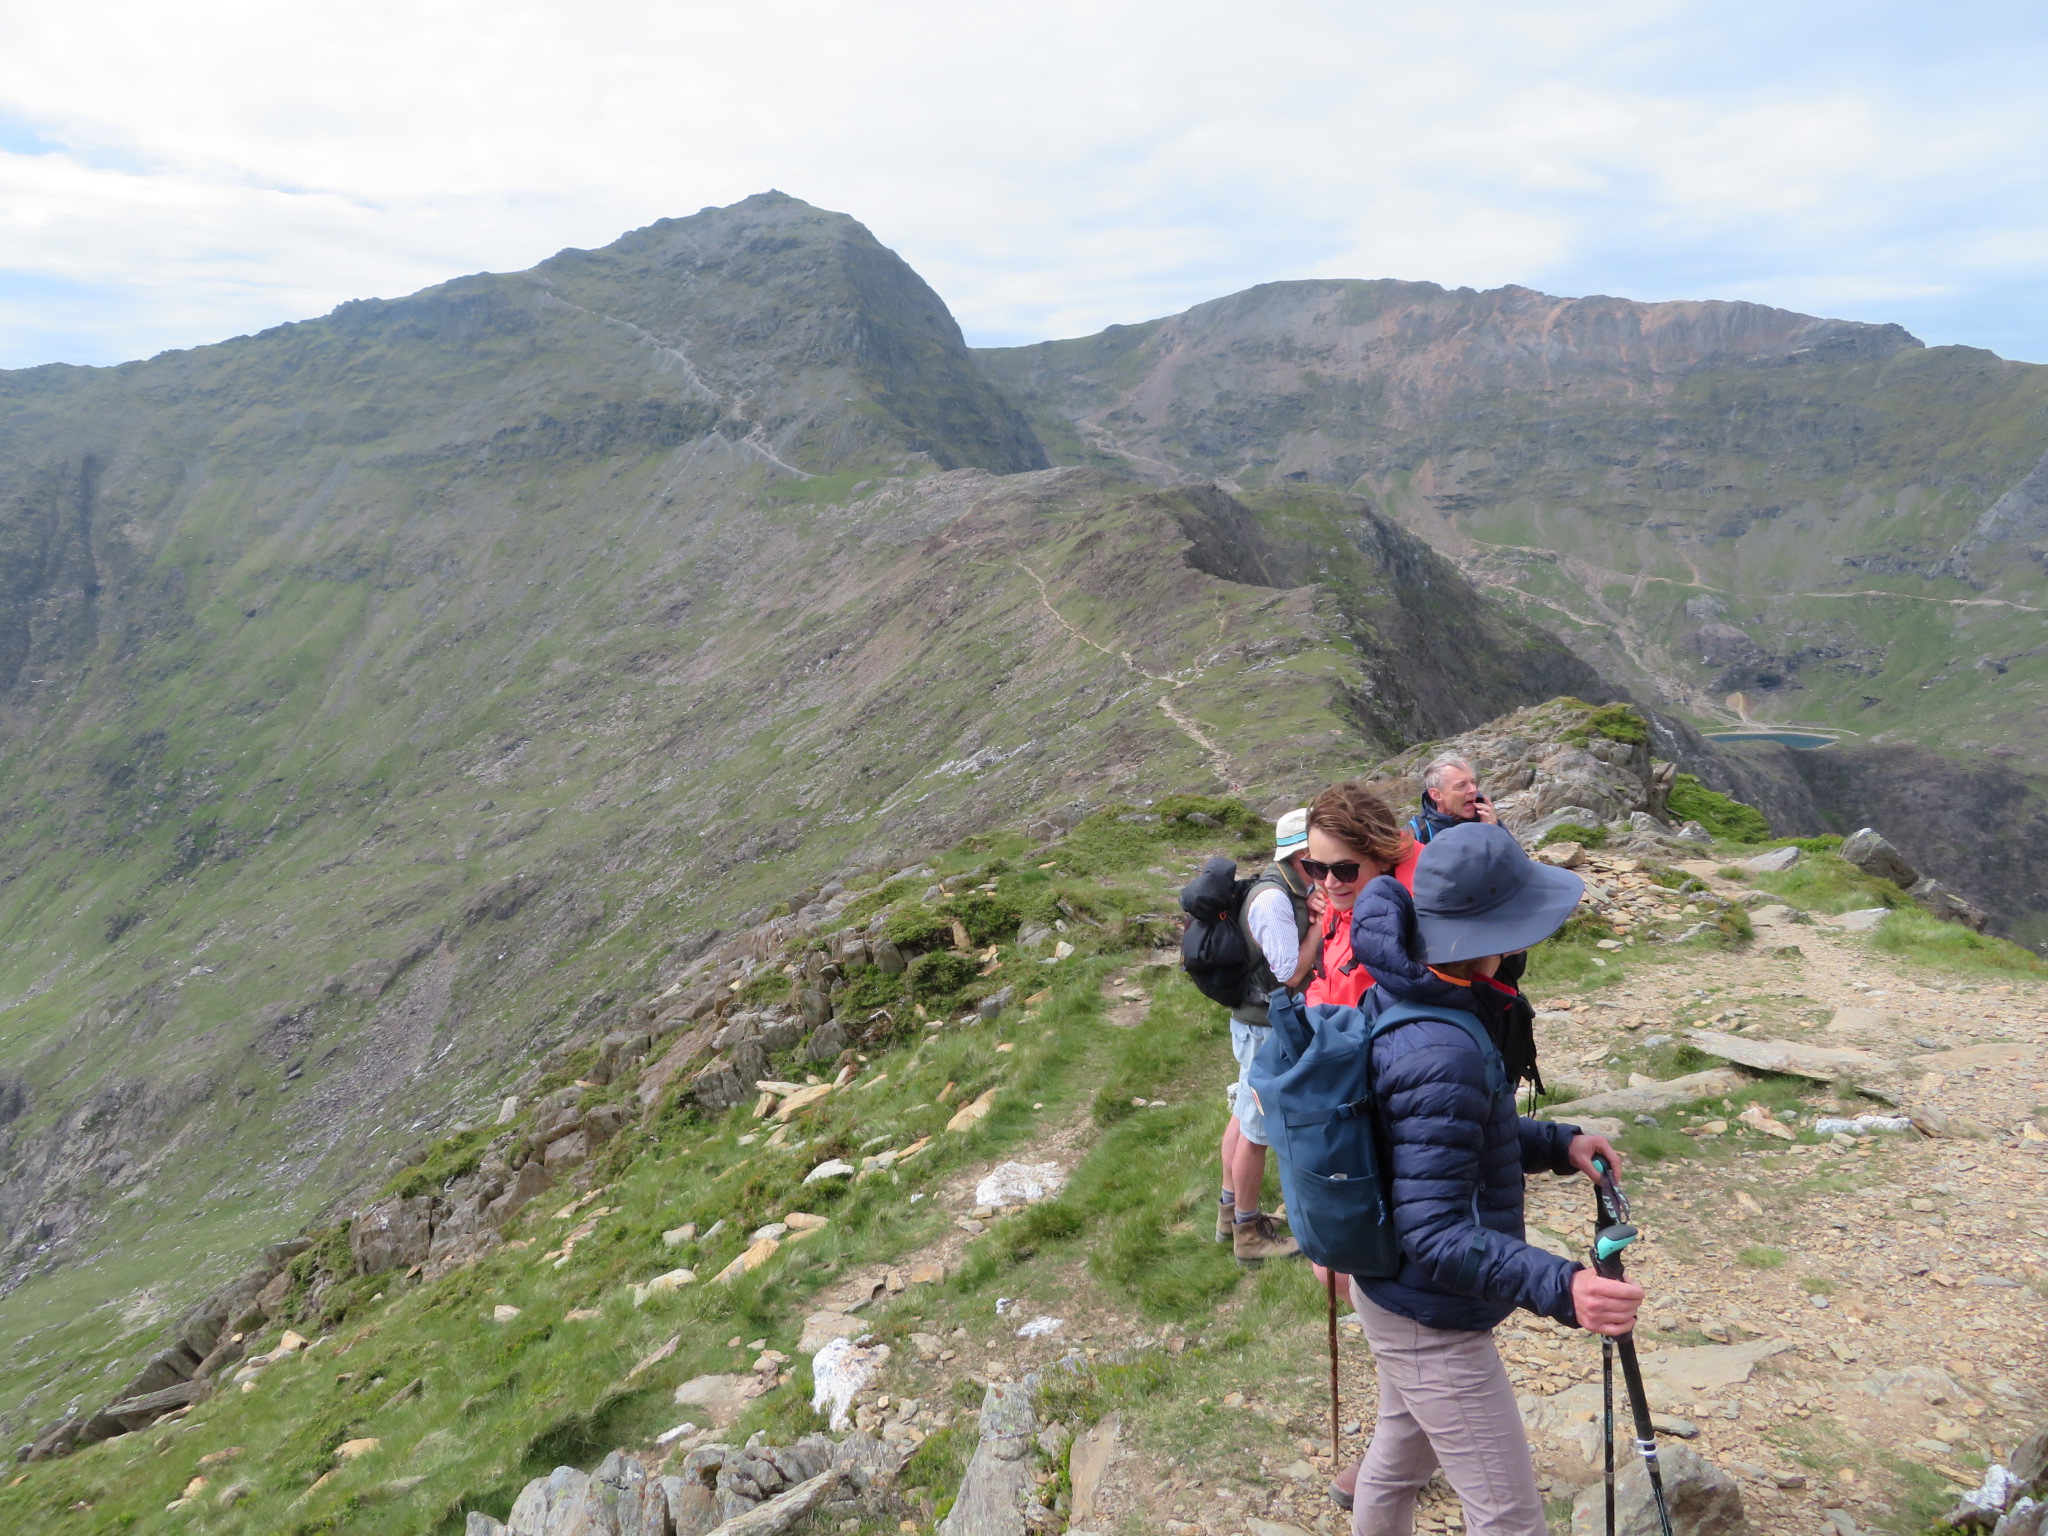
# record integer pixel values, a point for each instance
(1050, 167)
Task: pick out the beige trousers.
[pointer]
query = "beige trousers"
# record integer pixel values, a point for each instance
(1445, 1401)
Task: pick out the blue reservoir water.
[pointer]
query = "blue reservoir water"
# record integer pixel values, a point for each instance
(1789, 738)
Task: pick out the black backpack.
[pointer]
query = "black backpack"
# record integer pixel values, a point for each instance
(1213, 950)
(1219, 959)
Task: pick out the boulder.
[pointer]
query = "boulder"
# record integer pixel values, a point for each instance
(826, 1042)
(2029, 1464)
(1862, 920)
(392, 1233)
(140, 1412)
(1775, 862)
(165, 1368)
(552, 1125)
(270, 1300)
(717, 1087)
(683, 1054)
(531, 1181)
(1774, 914)
(1948, 906)
(1875, 856)
(567, 1154)
(458, 1230)
(781, 1031)
(1000, 1477)
(815, 1005)
(224, 1354)
(750, 1060)
(1703, 1499)
(741, 1026)
(602, 1122)
(618, 1052)
(1562, 855)
(992, 1005)
(546, 1505)
(888, 957)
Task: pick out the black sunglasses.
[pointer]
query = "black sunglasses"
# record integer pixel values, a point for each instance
(1346, 872)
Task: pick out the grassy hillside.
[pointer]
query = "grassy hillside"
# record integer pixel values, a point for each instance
(1108, 1064)
(394, 694)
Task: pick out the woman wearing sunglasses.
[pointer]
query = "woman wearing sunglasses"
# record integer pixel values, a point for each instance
(1353, 839)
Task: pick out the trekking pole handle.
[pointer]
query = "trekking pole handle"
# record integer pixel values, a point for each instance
(1611, 1202)
(1608, 1244)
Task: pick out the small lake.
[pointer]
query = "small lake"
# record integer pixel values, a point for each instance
(1788, 738)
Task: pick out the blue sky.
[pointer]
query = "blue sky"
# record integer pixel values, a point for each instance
(174, 175)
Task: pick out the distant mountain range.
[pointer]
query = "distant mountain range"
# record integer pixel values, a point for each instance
(1703, 499)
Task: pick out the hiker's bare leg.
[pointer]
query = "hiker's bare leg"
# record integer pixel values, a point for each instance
(1247, 1171)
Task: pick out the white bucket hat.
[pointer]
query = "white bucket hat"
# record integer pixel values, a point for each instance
(1290, 835)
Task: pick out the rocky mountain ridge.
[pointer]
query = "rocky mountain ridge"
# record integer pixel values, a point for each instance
(1702, 498)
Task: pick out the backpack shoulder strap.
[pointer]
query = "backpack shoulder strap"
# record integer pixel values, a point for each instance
(1408, 1013)
(1275, 878)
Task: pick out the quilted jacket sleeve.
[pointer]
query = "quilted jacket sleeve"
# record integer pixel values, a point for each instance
(1433, 1094)
(1544, 1144)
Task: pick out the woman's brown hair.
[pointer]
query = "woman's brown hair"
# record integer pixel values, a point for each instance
(1360, 820)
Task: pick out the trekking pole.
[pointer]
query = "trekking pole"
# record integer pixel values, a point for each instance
(1606, 1372)
(1330, 1278)
(1607, 1421)
(1615, 1234)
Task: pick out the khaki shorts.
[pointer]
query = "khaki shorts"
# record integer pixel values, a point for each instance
(1245, 1040)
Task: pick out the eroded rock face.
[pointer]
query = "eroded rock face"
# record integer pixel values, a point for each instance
(718, 1087)
(392, 1233)
(1563, 761)
(765, 1489)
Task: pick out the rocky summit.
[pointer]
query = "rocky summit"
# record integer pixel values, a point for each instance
(589, 900)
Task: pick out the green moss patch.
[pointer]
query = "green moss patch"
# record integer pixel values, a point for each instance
(1722, 815)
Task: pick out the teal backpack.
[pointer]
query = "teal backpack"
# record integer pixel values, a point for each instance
(1313, 1080)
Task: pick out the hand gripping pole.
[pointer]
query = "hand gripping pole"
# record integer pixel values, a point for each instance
(1612, 1234)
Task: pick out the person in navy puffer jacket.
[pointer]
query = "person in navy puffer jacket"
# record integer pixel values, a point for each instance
(1458, 1154)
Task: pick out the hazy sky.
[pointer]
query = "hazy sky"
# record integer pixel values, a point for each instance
(173, 174)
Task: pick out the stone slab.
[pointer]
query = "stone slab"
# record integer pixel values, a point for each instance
(1648, 1098)
(1087, 1461)
(1819, 1062)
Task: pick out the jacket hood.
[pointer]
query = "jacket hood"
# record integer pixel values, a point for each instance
(1383, 939)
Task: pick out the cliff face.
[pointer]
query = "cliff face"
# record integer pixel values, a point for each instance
(1701, 498)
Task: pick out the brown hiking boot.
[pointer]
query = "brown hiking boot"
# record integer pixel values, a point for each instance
(1344, 1486)
(1225, 1212)
(1260, 1239)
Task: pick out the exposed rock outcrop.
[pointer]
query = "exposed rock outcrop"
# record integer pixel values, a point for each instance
(751, 1490)
(1563, 762)
(180, 1374)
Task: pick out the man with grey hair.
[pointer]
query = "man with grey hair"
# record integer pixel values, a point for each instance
(1451, 797)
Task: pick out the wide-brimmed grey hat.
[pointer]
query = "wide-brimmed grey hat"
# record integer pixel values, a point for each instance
(1477, 893)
